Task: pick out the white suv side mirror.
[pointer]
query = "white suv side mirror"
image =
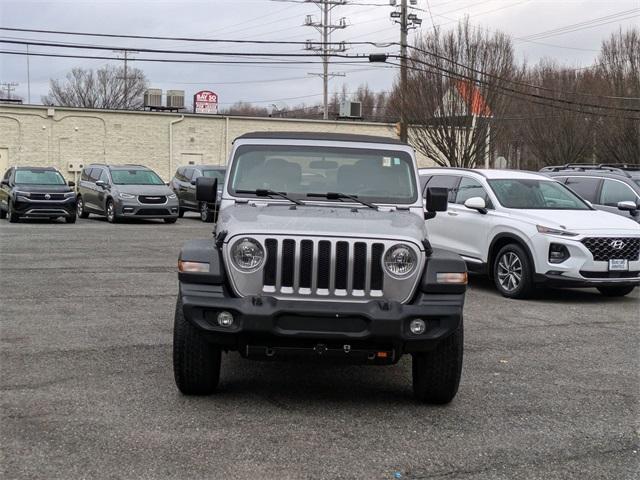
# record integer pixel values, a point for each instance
(476, 203)
(628, 206)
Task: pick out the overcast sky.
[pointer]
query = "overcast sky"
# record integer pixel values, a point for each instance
(284, 85)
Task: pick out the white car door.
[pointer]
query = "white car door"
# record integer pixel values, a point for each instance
(471, 227)
(442, 228)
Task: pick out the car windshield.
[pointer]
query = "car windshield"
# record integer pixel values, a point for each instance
(219, 174)
(536, 194)
(135, 177)
(38, 177)
(381, 176)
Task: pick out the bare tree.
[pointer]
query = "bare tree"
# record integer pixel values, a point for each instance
(449, 100)
(618, 138)
(556, 136)
(101, 88)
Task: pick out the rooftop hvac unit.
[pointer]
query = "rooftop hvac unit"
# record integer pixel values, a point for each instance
(351, 109)
(153, 97)
(175, 98)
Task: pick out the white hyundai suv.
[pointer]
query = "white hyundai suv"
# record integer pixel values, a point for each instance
(525, 229)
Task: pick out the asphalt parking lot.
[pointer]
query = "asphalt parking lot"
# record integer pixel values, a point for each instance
(550, 387)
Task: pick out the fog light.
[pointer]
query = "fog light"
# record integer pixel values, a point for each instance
(225, 319)
(417, 326)
(558, 253)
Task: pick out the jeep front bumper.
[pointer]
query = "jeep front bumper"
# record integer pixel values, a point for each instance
(269, 327)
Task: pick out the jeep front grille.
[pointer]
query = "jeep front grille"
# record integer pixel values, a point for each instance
(323, 267)
(607, 248)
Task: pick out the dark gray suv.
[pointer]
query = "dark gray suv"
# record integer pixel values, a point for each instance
(184, 185)
(611, 187)
(125, 191)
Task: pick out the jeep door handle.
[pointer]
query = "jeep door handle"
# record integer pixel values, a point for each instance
(453, 214)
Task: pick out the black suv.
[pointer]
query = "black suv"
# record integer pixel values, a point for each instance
(36, 192)
(125, 191)
(610, 187)
(184, 185)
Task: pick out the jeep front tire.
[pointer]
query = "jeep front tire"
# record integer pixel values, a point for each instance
(196, 362)
(436, 373)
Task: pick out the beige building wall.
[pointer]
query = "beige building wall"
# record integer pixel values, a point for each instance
(33, 135)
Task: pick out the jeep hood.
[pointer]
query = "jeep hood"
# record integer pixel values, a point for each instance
(321, 221)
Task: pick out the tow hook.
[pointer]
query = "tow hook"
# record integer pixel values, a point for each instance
(346, 348)
(320, 348)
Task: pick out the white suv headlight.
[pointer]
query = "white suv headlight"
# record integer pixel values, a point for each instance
(400, 260)
(555, 231)
(247, 254)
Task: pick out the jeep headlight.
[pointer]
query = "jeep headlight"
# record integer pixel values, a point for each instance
(247, 254)
(400, 260)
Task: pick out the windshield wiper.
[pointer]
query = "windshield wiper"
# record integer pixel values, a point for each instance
(339, 196)
(263, 192)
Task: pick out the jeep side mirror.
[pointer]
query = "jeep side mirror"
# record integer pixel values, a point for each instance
(206, 189)
(629, 206)
(71, 183)
(437, 201)
(476, 203)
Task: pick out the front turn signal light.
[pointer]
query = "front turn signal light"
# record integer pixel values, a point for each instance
(193, 267)
(459, 278)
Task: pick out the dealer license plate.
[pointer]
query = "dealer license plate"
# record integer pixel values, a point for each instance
(618, 265)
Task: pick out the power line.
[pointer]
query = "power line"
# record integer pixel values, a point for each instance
(177, 52)
(532, 98)
(180, 39)
(516, 82)
(178, 60)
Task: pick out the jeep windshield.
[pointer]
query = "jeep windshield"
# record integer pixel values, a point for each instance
(135, 177)
(310, 172)
(536, 195)
(38, 177)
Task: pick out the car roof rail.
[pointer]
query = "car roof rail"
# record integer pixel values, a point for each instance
(619, 168)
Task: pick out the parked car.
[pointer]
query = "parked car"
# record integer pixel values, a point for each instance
(613, 188)
(525, 229)
(125, 191)
(334, 266)
(184, 185)
(36, 192)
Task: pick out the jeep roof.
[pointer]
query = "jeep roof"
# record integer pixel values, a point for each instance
(330, 137)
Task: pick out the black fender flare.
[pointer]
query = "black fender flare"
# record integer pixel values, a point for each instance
(203, 251)
(442, 261)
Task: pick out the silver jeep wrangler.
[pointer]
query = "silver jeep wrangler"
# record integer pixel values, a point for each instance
(320, 250)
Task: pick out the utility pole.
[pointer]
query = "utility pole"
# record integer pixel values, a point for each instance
(326, 28)
(407, 22)
(28, 78)
(9, 87)
(125, 54)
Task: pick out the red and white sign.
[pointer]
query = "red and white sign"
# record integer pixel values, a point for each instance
(205, 102)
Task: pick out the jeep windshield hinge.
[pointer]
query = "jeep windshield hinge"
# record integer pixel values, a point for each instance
(220, 238)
